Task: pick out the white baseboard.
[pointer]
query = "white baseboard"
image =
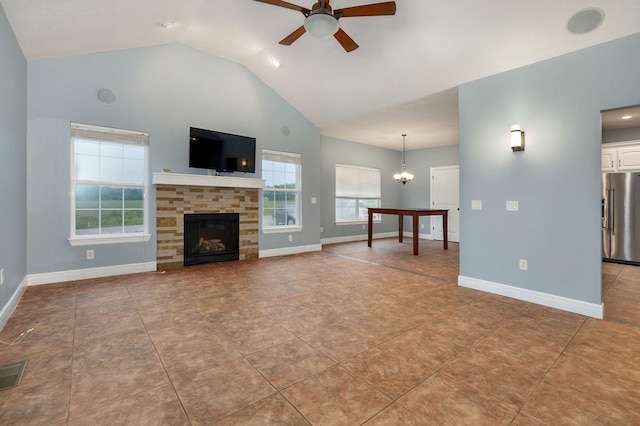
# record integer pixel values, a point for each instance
(351, 238)
(558, 302)
(89, 273)
(289, 250)
(12, 304)
(421, 236)
(362, 237)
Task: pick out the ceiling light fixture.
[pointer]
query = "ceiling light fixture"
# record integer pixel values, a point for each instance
(626, 117)
(321, 23)
(276, 63)
(404, 176)
(167, 24)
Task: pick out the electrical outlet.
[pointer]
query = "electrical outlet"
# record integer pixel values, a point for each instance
(290, 237)
(1, 276)
(523, 265)
(422, 226)
(321, 229)
(512, 206)
(90, 254)
(363, 227)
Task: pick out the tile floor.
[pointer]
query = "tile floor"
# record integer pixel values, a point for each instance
(351, 335)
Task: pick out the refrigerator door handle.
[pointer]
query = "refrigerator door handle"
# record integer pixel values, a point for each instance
(612, 223)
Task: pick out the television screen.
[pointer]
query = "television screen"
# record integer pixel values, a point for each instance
(222, 152)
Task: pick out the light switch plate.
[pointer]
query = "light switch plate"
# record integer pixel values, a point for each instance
(476, 204)
(512, 206)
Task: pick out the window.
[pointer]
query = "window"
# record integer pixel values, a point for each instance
(357, 188)
(108, 185)
(281, 196)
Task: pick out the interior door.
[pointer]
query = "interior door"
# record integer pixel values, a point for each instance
(445, 194)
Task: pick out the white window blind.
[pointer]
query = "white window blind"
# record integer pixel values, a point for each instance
(357, 189)
(357, 182)
(281, 157)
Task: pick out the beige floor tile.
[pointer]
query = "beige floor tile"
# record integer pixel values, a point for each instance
(553, 404)
(272, 410)
(429, 348)
(157, 406)
(339, 341)
(336, 397)
(389, 370)
(107, 371)
(44, 402)
(290, 362)
(505, 376)
(442, 400)
(395, 415)
(189, 349)
(212, 344)
(220, 391)
(619, 389)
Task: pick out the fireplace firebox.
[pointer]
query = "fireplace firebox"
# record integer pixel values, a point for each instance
(211, 238)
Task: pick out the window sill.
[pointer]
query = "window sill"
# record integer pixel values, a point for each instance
(281, 229)
(108, 239)
(357, 222)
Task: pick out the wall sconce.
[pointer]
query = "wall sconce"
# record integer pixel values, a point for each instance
(517, 138)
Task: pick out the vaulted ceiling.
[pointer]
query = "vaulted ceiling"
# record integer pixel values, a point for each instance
(402, 79)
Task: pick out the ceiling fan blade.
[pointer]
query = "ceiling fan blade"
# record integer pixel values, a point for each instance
(288, 40)
(376, 9)
(345, 41)
(287, 5)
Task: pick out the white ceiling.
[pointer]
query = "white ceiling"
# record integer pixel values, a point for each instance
(402, 79)
(612, 119)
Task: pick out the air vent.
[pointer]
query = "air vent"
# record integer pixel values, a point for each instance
(11, 375)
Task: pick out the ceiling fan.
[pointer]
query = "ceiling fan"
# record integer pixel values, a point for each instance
(321, 21)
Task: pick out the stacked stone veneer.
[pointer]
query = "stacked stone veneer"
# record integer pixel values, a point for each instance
(174, 201)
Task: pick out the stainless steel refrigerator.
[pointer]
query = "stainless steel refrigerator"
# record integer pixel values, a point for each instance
(621, 217)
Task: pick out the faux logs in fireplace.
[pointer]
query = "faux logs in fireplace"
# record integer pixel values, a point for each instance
(211, 237)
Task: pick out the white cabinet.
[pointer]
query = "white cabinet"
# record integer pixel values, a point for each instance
(609, 159)
(629, 158)
(622, 156)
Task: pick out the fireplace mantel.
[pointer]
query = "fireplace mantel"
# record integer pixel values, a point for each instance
(160, 178)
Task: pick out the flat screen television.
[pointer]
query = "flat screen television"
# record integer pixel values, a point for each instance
(222, 152)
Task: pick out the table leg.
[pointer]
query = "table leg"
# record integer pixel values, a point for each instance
(400, 225)
(370, 231)
(416, 230)
(445, 230)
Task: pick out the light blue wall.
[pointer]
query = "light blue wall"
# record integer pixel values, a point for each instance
(556, 180)
(13, 162)
(356, 154)
(163, 91)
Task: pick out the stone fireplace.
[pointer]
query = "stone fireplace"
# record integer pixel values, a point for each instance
(211, 237)
(178, 195)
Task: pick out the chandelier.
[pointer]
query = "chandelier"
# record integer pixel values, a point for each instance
(403, 176)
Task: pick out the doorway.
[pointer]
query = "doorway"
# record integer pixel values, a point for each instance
(620, 283)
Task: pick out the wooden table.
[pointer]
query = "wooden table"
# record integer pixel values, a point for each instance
(415, 213)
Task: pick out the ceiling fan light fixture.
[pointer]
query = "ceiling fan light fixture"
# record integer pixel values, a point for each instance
(321, 25)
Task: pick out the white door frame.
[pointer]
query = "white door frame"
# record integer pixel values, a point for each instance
(454, 216)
